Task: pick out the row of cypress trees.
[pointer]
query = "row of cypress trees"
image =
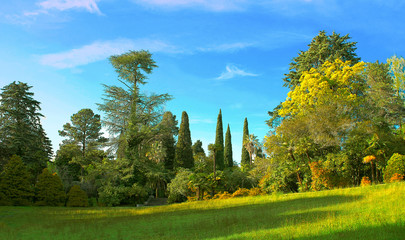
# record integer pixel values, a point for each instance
(223, 154)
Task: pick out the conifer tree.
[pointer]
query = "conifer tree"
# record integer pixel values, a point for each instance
(15, 187)
(77, 197)
(228, 159)
(169, 129)
(219, 142)
(245, 154)
(184, 152)
(49, 190)
(21, 132)
(197, 148)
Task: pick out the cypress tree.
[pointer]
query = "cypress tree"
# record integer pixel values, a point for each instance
(245, 154)
(219, 141)
(228, 149)
(15, 186)
(184, 152)
(169, 129)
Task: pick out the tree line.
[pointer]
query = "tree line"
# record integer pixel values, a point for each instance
(340, 125)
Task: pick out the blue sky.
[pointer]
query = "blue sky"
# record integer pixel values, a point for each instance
(211, 54)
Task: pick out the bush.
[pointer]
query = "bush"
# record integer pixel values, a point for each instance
(178, 188)
(396, 164)
(397, 177)
(365, 181)
(241, 192)
(222, 195)
(110, 195)
(15, 187)
(49, 190)
(77, 197)
(255, 192)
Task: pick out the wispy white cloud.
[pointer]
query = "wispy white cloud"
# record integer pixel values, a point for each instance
(227, 47)
(201, 120)
(63, 5)
(232, 71)
(211, 5)
(100, 50)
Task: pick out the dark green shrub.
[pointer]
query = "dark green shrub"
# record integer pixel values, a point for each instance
(396, 164)
(77, 197)
(15, 186)
(49, 190)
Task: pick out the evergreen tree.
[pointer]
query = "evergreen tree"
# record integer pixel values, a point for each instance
(15, 187)
(132, 118)
(321, 49)
(21, 132)
(219, 142)
(66, 167)
(77, 197)
(184, 152)
(169, 129)
(85, 132)
(228, 158)
(49, 190)
(245, 154)
(197, 148)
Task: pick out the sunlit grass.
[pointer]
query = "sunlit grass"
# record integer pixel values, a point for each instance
(376, 212)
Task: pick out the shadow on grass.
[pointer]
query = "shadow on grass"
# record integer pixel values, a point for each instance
(387, 232)
(217, 223)
(185, 223)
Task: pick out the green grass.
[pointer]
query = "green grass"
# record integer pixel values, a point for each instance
(376, 212)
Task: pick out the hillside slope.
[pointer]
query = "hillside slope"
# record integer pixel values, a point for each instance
(376, 212)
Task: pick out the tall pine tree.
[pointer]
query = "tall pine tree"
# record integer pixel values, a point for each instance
(219, 142)
(184, 152)
(245, 160)
(228, 159)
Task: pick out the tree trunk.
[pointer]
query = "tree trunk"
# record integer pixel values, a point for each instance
(372, 172)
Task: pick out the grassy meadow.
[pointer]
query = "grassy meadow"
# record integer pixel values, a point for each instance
(376, 212)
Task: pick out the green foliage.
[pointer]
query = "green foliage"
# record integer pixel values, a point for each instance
(84, 130)
(228, 155)
(178, 187)
(197, 148)
(21, 132)
(321, 49)
(397, 72)
(219, 141)
(169, 129)
(65, 166)
(77, 197)
(49, 190)
(396, 164)
(184, 152)
(15, 186)
(245, 154)
(111, 195)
